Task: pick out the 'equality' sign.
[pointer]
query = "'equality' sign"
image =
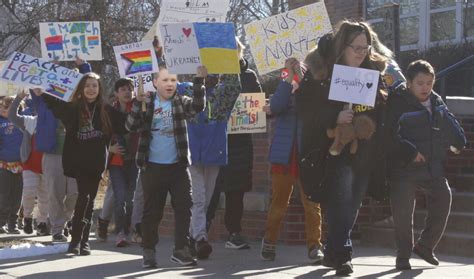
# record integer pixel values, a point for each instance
(56, 80)
(291, 34)
(354, 85)
(64, 41)
(188, 45)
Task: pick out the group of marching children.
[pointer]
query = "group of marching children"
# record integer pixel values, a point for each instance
(168, 142)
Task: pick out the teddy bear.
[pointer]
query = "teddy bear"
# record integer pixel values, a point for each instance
(362, 127)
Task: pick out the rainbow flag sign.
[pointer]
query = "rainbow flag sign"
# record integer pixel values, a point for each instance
(33, 72)
(136, 59)
(66, 40)
(188, 45)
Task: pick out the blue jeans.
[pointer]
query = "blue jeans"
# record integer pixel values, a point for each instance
(347, 181)
(123, 183)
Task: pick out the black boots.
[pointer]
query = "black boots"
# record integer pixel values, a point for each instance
(76, 236)
(85, 249)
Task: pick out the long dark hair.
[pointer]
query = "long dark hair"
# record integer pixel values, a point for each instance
(84, 111)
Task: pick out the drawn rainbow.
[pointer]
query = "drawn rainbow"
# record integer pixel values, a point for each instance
(54, 43)
(56, 90)
(141, 61)
(93, 40)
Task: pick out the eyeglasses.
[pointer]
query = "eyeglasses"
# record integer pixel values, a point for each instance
(361, 49)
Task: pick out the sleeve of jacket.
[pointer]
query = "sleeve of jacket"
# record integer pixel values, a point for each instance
(14, 116)
(400, 147)
(196, 103)
(329, 113)
(226, 93)
(453, 131)
(63, 111)
(279, 102)
(135, 119)
(85, 68)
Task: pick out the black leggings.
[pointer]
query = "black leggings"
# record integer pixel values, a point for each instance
(87, 187)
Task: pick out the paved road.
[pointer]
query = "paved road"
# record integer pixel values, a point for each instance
(108, 261)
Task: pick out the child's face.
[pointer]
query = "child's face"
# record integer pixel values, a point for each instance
(421, 86)
(165, 84)
(124, 94)
(3, 111)
(91, 90)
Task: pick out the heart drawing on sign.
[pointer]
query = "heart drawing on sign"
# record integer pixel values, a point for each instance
(369, 84)
(187, 32)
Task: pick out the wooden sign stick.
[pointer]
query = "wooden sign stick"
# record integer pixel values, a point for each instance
(141, 91)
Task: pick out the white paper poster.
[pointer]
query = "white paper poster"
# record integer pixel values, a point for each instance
(66, 40)
(33, 72)
(8, 88)
(247, 115)
(184, 11)
(354, 85)
(291, 34)
(136, 59)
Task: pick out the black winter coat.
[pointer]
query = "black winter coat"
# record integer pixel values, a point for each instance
(413, 129)
(237, 174)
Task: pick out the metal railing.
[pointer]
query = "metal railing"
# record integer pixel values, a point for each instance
(443, 74)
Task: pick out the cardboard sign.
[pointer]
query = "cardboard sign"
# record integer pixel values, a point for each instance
(291, 34)
(136, 59)
(354, 85)
(66, 40)
(8, 88)
(247, 115)
(182, 11)
(188, 45)
(56, 80)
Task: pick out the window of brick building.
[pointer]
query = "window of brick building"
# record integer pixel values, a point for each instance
(427, 23)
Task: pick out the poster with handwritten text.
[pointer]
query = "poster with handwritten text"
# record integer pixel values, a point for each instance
(354, 85)
(291, 34)
(136, 59)
(247, 115)
(56, 80)
(8, 88)
(188, 45)
(185, 11)
(64, 41)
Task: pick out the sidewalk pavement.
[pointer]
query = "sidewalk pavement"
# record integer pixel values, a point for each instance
(108, 261)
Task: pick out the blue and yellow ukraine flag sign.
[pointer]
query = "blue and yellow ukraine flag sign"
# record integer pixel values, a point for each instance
(217, 47)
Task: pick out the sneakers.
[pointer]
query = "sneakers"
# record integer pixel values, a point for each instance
(203, 249)
(85, 249)
(426, 254)
(236, 241)
(67, 228)
(3, 229)
(149, 258)
(42, 229)
(315, 255)
(345, 269)
(12, 229)
(28, 225)
(121, 240)
(402, 264)
(137, 234)
(59, 237)
(183, 257)
(267, 252)
(101, 231)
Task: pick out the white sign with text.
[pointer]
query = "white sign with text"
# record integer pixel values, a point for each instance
(354, 85)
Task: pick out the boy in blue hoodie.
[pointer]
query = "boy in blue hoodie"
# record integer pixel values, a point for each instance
(11, 183)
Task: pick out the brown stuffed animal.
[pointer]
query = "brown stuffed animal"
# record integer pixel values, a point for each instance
(361, 128)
